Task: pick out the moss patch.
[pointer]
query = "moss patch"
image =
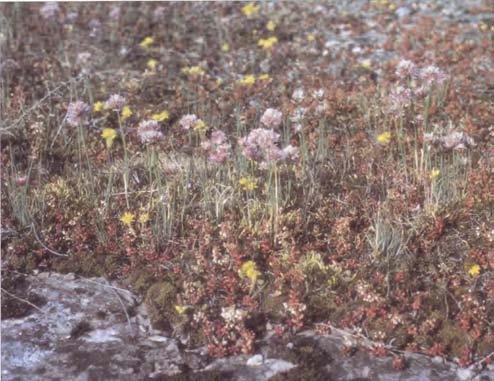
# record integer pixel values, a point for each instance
(161, 300)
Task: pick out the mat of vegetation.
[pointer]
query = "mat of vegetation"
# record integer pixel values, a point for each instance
(260, 166)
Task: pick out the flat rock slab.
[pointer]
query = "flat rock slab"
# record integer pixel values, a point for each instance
(74, 328)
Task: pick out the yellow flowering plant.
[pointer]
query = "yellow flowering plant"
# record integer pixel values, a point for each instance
(200, 126)
(98, 106)
(161, 116)
(193, 70)
(250, 9)
(247, 80)
(384, 138)
(249, 270)
(126, 113)
(435, 174)
(151, 64)
(127, 218)
(264, 77)
(147, 42)
(143, 218)
(109, 134)
(271, 26)
(248, 183)
(267, 43)
(474, 270)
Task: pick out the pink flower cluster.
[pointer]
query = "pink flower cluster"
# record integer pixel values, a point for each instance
(455, 140)
(149, 131)
(429, 76)
(271, 118)
(115, 102)
(76, 111)
(217, 147)
(188, 121)
(415, 82)
(261, 145)
(49, 10)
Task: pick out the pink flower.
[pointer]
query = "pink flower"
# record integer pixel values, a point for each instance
(290, 153)
(115, 102)
(271, 118)
(217, 147)
(115, 13)
(149, 131)
(218, 137)
(188, 121)
(21, 180)
(455, 140)
(432, 75)
(261, 145)
(49, 10)
(406, 69)
(400, 98)
(76, 111)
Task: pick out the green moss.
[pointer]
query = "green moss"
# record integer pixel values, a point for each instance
(453, 337)
(485, 346)
(272, 305)
(160, 300)
(141, 280)
(23, 263)
(320, 306)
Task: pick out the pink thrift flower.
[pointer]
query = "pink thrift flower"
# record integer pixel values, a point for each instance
(290, 153)
(188, 121)
(432, 75)
(115, 102)
(149, 131)
(271, 118)
(406, 69)
(49, 10)
(76, 111)
(217, 147)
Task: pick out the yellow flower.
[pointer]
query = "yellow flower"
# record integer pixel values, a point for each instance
(225, 48)
(126, 113)
(181, 309)
(311, 37)
(109, 134)
(384, 138)
(267, 43)
(250, 9)
(271, 25)
(127, 218)
(143, 218)
(193, 70)
(435, 173)
(366, 64)
(474, 270)
(264, 77)
(248, 183)
(151, 64)
(98, 106)
(161, 117)
(248, 80)
(147, 42)
(249, 270)
(200, 126)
